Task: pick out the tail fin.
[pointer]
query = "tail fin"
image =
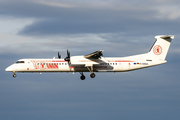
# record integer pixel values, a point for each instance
(160, 47)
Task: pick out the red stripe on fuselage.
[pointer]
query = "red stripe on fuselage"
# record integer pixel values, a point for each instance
(59, 61)
(120, 61)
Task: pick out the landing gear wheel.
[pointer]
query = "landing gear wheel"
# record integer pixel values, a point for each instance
(14, 75)
(82, 77)
(92, 75)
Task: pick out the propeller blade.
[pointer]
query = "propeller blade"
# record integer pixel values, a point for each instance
(68, 56)
(59, 56)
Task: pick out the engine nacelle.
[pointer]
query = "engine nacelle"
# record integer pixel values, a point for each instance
(81, 60)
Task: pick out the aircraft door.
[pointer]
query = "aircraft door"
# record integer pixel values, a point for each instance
(119, 66)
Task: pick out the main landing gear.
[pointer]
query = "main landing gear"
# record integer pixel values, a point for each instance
(82, 76)
(92, 75)
(90, 68)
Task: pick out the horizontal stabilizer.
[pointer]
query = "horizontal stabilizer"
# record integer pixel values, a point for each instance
(166, 37)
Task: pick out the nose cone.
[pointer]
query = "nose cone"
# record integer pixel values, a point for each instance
(9, 69)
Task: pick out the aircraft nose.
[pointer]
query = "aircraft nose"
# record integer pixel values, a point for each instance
(9, 69)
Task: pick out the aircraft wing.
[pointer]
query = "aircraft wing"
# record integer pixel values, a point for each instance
(94, 55)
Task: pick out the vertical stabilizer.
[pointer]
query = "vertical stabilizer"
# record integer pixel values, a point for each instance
(160, 48)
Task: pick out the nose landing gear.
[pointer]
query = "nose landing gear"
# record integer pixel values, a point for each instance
(14, 75)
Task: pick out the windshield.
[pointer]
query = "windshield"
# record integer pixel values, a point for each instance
(19, 62)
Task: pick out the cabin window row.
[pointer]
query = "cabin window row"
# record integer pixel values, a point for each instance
(51, 63)
(66, 64)
(108, 64)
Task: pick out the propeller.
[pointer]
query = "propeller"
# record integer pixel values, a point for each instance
(68, 57)
(101, 54)
(59, 56)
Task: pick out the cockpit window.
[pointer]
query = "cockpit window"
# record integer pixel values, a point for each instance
(20, 62)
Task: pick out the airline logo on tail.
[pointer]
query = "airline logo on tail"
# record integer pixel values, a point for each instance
(157, 50)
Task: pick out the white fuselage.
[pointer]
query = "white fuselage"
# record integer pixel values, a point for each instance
(109, 64)
(94, 62)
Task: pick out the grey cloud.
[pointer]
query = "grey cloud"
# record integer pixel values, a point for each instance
(133, 27)
(25, 9)
(58, 20)
(151, 93)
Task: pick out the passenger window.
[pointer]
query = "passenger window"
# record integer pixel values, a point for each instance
(59, 63)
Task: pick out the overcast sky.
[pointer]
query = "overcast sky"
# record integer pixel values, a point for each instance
(41, 28)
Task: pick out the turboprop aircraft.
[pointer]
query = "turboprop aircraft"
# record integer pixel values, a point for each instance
(95, 62)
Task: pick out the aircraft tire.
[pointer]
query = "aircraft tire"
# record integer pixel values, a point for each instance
(83, 77)
(14, 75)
(92, 75)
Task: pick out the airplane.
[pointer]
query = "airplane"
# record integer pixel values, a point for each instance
(95, 62)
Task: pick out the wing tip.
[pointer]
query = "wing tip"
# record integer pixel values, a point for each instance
(94, 55)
